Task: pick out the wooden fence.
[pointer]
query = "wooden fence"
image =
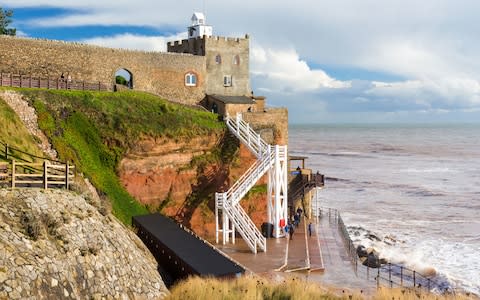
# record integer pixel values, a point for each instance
(30, 81)
(41, 175)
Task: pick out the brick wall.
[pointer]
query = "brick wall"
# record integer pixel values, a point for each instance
(155, 72)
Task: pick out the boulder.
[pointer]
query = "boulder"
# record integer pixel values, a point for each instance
(372, 261)
(362, 251)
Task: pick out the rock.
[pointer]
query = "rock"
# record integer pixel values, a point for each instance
(372, 260)
(54, 282)
(3, 277)
(362, 251)
(373, 237)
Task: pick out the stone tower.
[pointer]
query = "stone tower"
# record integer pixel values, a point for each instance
(227, 59)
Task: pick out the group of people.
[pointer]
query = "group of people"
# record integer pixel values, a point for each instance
(292, 224)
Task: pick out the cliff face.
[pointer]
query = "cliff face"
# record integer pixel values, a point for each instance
(54, 244)
(178, 178)
(165, 175)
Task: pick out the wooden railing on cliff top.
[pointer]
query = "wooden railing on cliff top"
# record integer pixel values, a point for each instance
(31, 81)
(31, 174)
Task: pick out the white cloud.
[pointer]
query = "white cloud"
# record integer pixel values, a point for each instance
(283, 70)
(133, 41)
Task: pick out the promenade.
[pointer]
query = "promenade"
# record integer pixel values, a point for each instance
(320, 257)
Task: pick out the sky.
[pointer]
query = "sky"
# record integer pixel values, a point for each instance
(327, 61)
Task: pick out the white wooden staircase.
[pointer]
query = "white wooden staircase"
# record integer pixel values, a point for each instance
(271, 160)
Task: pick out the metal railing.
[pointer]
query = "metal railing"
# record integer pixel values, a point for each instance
(389, 274)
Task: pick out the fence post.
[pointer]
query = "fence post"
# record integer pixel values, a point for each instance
(30, 81)
(401, 275)
(414, 283)
(390, 271)
(21, 79)
(378, 278)
(1, 79)
(45, 174)
(13, 173)
(66, 175)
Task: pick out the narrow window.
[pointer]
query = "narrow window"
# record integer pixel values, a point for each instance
(227, 80)
(236, 60)
(218, 59)
(190, 79)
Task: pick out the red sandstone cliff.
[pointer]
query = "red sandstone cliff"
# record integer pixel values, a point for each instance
(165, 175)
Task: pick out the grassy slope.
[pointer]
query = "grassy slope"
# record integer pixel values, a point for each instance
(14, 133)
(95, 129)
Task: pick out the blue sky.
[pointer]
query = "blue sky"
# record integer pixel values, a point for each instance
(327, 61)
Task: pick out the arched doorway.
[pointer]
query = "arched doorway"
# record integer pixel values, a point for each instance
(124, 77)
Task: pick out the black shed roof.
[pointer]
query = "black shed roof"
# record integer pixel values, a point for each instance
(198, 255)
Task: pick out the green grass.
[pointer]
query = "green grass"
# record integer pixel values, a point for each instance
(95, 129)
(15, 134)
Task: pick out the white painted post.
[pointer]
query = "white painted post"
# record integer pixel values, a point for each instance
(216, 217)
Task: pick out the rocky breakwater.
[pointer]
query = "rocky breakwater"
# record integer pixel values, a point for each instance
(54, 244)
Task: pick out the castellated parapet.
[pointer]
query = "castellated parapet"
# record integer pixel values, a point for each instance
(156, 72)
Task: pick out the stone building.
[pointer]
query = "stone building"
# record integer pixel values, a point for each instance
(227, 59)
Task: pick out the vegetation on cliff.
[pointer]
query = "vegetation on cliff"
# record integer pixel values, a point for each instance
(14, 133)
(95, 129)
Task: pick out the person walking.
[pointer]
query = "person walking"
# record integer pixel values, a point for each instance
(291, 231)
(310, 229)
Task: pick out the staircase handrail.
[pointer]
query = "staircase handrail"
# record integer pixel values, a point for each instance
(248, 230)
(244, 132)
(249, 178)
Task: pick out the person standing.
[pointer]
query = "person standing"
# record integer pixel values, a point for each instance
(310, 229)
(291, 231)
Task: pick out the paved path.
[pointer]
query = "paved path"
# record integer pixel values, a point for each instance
(322, 257)
(339, 270)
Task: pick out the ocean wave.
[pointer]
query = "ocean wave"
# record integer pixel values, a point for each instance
(431, 170)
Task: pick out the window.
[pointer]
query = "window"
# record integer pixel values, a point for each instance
(218, 59)
(190, 79)
(227, 80)
(236, 60)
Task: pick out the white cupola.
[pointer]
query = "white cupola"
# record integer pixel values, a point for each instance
(199, 27)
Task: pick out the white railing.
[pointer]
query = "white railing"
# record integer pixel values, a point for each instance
(245, 226)
(247, 135)
(229, 201)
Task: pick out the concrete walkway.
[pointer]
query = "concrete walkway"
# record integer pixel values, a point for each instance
(322, 257)
(338, 269)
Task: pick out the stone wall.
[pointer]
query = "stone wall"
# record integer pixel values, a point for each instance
(159, 73)
(273, 122)
(228, 48)
(233, 61)
(55, 245)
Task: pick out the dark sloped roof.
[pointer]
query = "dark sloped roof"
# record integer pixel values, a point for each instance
(188, 248)
(233, 99)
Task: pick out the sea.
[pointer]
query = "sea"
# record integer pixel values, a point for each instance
(414, 187)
